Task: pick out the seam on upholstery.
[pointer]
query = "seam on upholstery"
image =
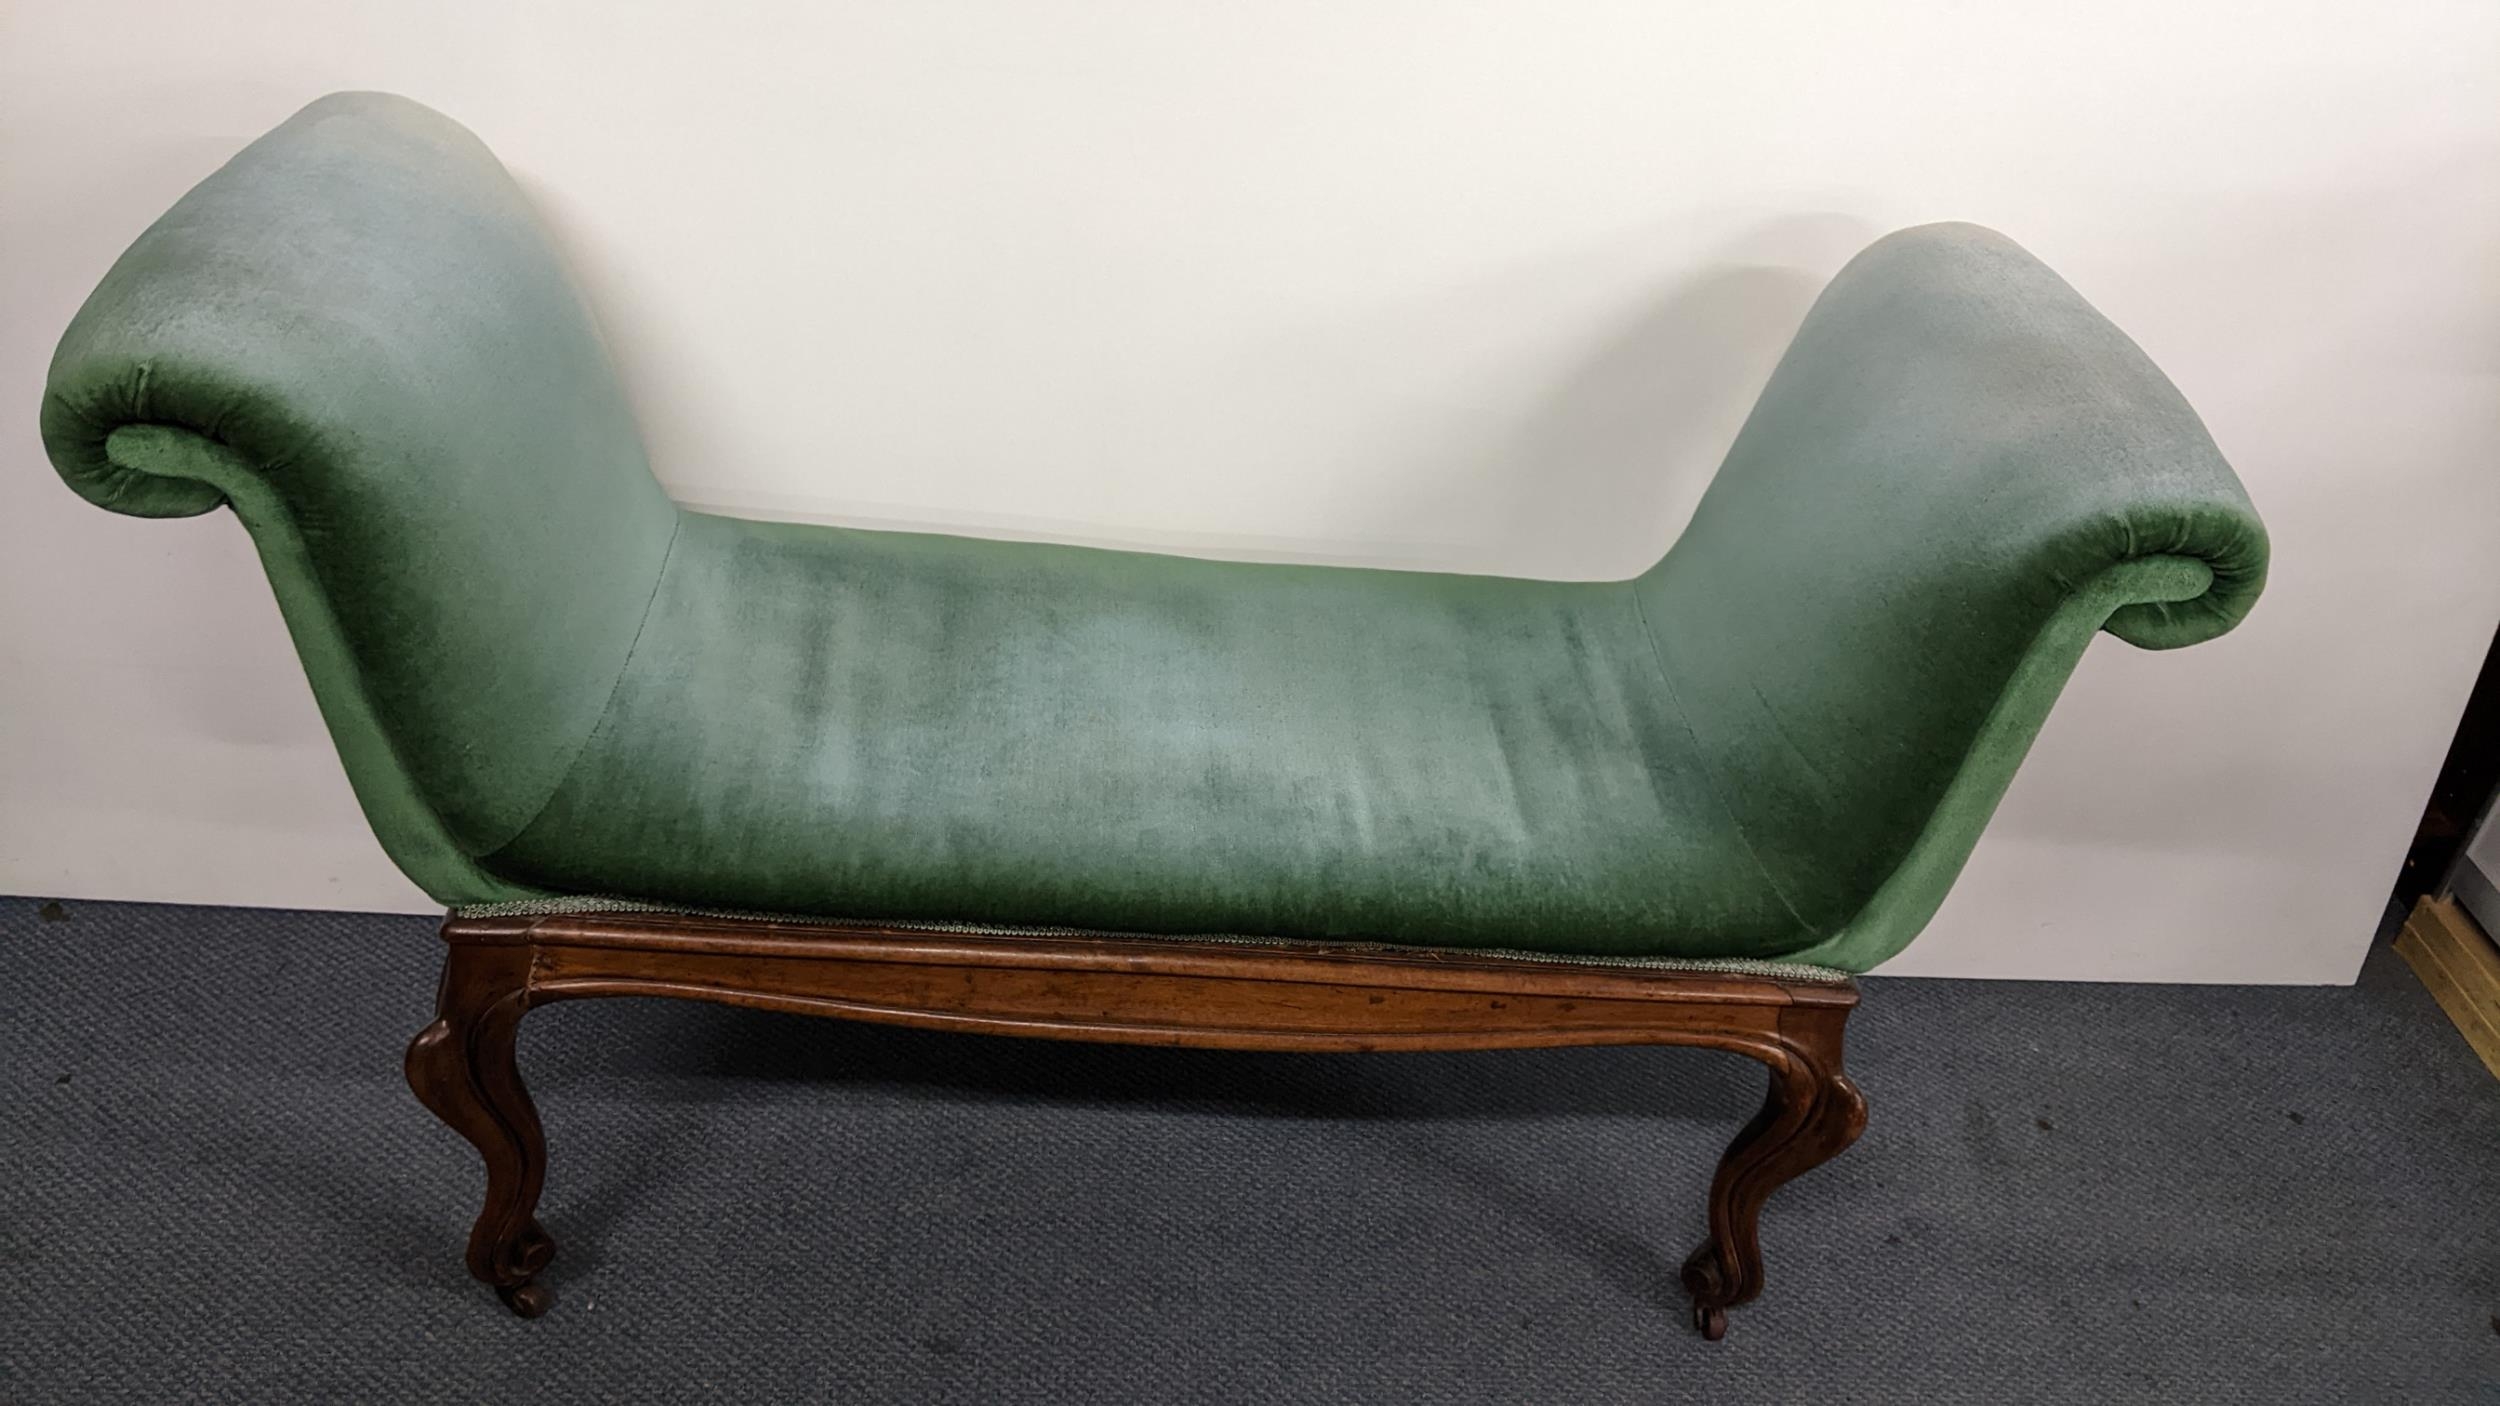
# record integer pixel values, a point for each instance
(677, 528)
(1780, 730)
(1709, 771)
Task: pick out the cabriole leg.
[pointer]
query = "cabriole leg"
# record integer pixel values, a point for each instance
(462, 1068)
(1810, 1114)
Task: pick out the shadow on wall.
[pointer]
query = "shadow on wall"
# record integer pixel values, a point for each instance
(1606, 467)
(1591, 472)
(1477, 465)
(202, 677)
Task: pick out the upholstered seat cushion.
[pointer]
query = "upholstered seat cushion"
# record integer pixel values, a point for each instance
(830, 721)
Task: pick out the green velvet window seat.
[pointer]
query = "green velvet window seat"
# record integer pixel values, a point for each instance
(1777, 745)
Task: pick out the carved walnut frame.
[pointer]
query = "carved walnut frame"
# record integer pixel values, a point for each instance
(1142, 991)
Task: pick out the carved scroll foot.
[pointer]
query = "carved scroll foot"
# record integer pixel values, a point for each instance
(1810, 1114)
(462, 1068)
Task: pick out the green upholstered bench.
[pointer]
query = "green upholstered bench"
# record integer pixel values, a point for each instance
(1113, 795)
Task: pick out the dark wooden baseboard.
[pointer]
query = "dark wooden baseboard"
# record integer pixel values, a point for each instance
(1150, 991)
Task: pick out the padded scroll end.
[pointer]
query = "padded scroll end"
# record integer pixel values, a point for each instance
(2218, 570)
(173, 465)
(111, 456)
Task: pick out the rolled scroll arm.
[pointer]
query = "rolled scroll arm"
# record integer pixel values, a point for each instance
(1959, 472)
(357, 334)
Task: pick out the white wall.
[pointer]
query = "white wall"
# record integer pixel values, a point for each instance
(1478, 286)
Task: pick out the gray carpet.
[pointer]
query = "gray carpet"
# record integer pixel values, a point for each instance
(213, 1186)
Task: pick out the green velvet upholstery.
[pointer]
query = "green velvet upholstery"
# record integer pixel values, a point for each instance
(356, 333)
(545, 679)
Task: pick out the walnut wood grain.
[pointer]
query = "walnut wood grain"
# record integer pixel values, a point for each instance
(462, 1067)
(1147, 991)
